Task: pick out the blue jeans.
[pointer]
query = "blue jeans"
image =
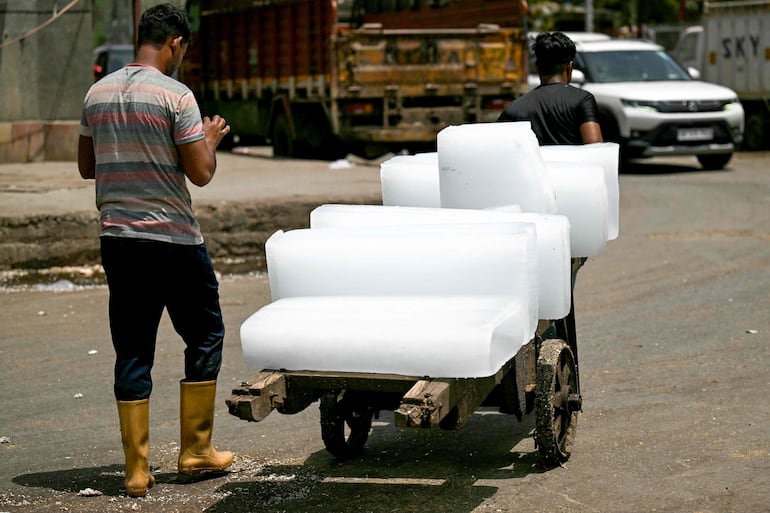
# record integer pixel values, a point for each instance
(144, 277)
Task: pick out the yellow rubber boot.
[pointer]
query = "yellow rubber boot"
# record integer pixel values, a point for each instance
(197, 420)
(135, 435)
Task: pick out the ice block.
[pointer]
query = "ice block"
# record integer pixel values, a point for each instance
(446, 336)
(486, 165)
(411, 180)
(581, 195)
(605, 154)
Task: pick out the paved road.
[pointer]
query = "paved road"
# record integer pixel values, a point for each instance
(673, 325)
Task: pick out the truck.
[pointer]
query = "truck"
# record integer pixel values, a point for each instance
(315, 78)
(732, 48)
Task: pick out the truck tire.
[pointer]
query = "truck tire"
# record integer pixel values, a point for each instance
(714, 162)
(283, 140)
(316, 138)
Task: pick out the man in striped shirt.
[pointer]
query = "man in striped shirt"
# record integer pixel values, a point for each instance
(141, 138)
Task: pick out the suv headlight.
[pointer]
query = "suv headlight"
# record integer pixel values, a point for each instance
(731, 104)
(640, 104)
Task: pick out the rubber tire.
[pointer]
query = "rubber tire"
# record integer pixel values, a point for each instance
(336, 413)
(283, 142)
(754, 136)
(714, 162)
(555, 419)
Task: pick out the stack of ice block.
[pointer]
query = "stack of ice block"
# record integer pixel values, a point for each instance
(448, 277)
(501, 166)
(551, 301)
(448, 300)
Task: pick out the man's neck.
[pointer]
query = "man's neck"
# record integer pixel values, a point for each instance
(561, 78)
(148, 55)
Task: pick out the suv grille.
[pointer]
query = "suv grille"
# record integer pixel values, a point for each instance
(691, 106)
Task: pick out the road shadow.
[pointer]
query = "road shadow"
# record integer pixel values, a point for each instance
(426, 471)
(326, 497)
(107, 479)
(657, 167)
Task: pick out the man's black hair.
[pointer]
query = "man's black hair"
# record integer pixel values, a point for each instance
(159, 23)
(553, 51)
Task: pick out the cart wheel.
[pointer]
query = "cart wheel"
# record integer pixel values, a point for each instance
(336, 412)
(557, 402)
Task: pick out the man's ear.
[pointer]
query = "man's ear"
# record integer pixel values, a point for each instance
(175, 44)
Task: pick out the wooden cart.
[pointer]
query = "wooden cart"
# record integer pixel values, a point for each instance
(541, 377)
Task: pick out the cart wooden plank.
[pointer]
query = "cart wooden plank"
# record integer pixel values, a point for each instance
(446, 403)
(293, 391)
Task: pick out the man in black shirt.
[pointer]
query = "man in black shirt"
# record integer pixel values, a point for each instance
(558, 112)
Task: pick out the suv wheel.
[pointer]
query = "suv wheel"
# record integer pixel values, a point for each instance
(754, 135)
(714, 162)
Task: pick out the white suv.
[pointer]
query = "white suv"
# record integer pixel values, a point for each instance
(651, 105)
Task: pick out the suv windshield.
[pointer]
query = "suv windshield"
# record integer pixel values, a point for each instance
(630, 66)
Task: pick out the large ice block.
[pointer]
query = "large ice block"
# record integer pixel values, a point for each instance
(411, 180)
(447, 259)
(553, 239)
(605, 154)
(581, 195)
(446, 336)
(486, 165)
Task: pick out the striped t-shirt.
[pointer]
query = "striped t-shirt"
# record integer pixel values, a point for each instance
(136, 117)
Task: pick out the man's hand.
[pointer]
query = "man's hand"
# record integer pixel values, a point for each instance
(216, 129)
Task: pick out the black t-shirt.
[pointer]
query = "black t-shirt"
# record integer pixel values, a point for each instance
(555, 111)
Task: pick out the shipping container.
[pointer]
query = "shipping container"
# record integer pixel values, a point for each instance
(732, 48)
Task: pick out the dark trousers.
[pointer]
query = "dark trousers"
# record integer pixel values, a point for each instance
(144, 277)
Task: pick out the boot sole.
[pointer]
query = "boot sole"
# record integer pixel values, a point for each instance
(197, 470)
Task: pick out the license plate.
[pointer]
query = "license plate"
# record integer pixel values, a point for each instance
(695, 134)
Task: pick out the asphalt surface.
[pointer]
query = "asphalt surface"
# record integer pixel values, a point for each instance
(673, 326)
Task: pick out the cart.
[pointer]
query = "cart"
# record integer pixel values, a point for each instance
(541, 377)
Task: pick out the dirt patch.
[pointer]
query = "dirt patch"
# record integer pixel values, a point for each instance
(235, 233)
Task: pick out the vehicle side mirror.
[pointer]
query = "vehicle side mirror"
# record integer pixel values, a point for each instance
(578, 77)
(694, 73)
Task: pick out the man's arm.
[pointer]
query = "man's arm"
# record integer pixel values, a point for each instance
(591, 132)
(199, 158)
(86, 157)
